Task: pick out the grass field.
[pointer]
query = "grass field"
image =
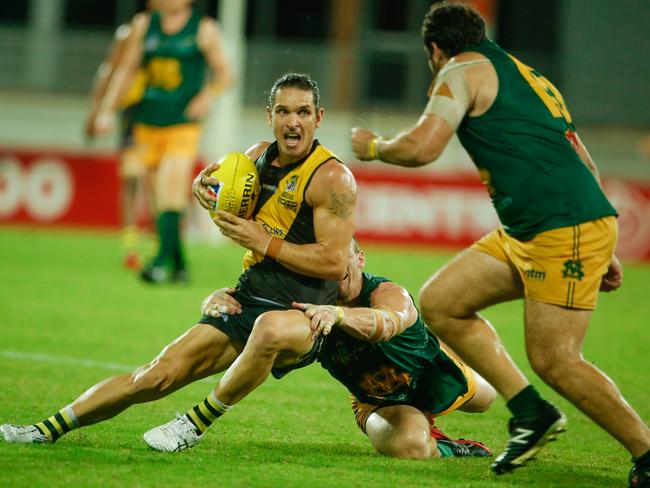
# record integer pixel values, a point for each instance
(70, 316)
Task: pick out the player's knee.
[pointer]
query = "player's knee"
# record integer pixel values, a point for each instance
(267, 335)
(551, 367)
(431, 307)
(407, 445)
(154, 379)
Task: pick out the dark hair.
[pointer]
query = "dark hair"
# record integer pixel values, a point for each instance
(295, 80)
(453, 27)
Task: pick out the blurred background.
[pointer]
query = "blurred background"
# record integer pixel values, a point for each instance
(368, 59)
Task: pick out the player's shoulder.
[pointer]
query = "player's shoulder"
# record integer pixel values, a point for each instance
(334, 171)
(209, 31)
(257, 149)
(140, 23)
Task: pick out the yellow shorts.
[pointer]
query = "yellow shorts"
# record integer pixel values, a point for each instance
(363, 410)
(562, 266)
(153, 143)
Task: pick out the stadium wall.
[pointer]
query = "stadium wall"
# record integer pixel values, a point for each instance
(58, 188)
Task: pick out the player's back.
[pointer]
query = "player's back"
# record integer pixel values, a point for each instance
(523, 148)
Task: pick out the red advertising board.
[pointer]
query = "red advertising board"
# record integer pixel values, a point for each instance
(57, 188)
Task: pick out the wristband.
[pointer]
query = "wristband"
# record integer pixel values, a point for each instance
(339, 316)
(372, 148)
(273, 248)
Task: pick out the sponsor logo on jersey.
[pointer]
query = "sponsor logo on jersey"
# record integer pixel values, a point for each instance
(288, 197)
(534, 274)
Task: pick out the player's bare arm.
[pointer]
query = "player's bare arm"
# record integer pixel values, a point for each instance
(418, 146)
(392, 312)
(210, 43)
(124, 72)
(613, 279)
(104, 74)
(332, 194)
(467, 84)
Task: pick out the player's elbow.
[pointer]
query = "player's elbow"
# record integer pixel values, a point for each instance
(335, 266)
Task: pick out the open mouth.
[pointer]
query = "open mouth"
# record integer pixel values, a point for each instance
(292, 139)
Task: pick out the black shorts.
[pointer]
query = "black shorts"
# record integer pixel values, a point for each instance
(239, 327)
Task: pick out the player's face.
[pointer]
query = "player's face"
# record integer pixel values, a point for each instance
(350, 285)
(294, 119)
(169, 6)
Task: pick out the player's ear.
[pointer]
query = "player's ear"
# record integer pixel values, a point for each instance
(320, 113)
(269, 116)
(361, 259)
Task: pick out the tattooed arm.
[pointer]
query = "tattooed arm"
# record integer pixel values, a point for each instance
(332, 194)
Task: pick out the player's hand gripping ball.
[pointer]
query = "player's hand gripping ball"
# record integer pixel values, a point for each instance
(239, 185)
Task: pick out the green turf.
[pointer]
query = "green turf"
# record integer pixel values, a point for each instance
(64, 297)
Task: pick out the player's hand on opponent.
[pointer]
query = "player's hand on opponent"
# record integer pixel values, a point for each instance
(361, 142)
(247, 233)
(219, 302)
(199, 106)
(613, 279)
(202, 187)
(323, 317)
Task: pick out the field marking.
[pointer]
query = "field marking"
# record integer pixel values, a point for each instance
(37, 357)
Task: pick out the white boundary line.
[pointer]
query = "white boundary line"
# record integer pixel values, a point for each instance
(37, 357)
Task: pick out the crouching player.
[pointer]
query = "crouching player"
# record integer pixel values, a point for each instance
(376, 344)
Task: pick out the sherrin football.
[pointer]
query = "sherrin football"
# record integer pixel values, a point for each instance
(238, 187)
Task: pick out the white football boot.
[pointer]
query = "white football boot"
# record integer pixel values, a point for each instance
(174, 436)
(23, 434)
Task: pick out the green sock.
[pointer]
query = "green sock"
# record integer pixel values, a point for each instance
(643, 461)
(526, 405)
(168, 233)
(206, 412)
(58, 424)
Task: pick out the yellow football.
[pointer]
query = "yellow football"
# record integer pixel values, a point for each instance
(238, 187)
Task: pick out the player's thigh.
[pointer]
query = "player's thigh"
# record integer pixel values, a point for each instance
(483, 397)
(554, 334)
(173, 182)
(471, 281)
(201, 351)
(284, 333)
(400, 431)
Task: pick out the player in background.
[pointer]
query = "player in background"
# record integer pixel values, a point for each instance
(375, 343)
(297, 245)
(130, 168)
(555, 248)
(174, 47)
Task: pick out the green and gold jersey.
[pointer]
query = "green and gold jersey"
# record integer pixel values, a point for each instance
(524, 149)
(408, 369)
(174, 69)
(282, 210)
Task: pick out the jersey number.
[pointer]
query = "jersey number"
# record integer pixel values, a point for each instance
(164, 73)
(545, 91)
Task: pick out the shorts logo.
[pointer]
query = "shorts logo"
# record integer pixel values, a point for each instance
(573, 269)
(533, 274)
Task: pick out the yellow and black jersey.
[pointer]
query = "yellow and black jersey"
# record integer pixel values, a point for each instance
(283, 212)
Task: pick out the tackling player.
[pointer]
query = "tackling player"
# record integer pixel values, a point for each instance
(373, 342)
(555, 247)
